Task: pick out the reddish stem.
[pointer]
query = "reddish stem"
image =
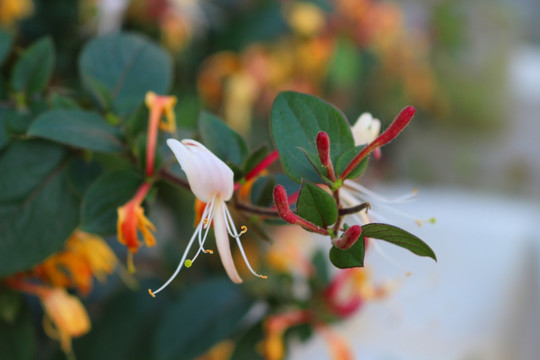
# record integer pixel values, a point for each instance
(399, 123)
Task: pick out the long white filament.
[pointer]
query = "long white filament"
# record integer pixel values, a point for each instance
(196, 234)
(231, 228)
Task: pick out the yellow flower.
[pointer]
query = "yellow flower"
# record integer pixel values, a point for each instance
(65, 318)
(14, 10)
(305, 18)
(83, 257)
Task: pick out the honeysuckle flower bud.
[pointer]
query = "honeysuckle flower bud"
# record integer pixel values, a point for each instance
(323, 147)
(159, 106)
(212, 182)
(131, 219)
(348, 239)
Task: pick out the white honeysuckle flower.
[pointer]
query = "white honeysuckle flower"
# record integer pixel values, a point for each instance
(365, 129)
(212, 182)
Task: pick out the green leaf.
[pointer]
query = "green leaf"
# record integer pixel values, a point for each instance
(296, 120)
(316, 205)
(6, 41)
(398, 237)
(102, 199)
(82, 175)
(262, 191)
(206, 314)
(345, 159)
(245, 347)
(4, 136)
(10, 304)
(352, 257)
(315, 162)
(37, 211)
(255, 158)
(119, 70)
(77, 128)
(34, 67)
(59, 101)
(16, 122)
(17, 339)
(219, 138)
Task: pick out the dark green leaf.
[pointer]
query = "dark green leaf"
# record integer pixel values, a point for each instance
(17, 122)
(81, 129)
(319, 261)
(206, 314)
(398, 237)
(17, 339)
(315, 162)
(255, 158)
(59, 101)
(296, 120)
(4, 137)
(37, 211)
(34, 67)
(316, 205)
(6, 41)
(262, 191)
(246, 346)
(100, 204)
(10, 304)
(345, 159)
(352, 257)
(82, 175)
(219, 138)
(119, 70)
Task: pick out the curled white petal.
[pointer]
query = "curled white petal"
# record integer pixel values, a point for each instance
(207, 175)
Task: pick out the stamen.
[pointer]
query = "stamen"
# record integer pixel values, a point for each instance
(151, 293)
(232, 228)
(369, 193)
(205, 223)
(208, 251)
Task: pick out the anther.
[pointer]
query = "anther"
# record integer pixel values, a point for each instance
(243, 229)
(188, 263)
(205, 222)
(151, 293)
(263, 276)
(208, 251)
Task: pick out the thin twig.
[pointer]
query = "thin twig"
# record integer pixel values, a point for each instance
(354, 209)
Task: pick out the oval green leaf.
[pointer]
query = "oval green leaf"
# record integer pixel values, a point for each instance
(37, 210)
(350, 258)
(399, 237)
(345, 159)
(77, 128)
(296, 120)
(203, 316)
(118, 70)
(316, 205)
(34, 67)
(102, 199)
(223, 141)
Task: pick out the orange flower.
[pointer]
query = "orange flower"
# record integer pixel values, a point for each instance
(83, 257)
(130, 219)
(66, 317)
(14, 10)
(274, 329)
(159, 106)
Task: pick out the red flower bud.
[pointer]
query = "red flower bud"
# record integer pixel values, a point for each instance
(323, 147)
(349, 237)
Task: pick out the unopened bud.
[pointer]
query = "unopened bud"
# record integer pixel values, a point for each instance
(323, 147)
(348, 239)
(282, 205)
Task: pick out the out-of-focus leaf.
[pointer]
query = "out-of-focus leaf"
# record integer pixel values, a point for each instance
(352, 257)
(10, 305)
(296, 120)
(345, 67)
(255, 158)
(118, 70)
(16, 122)
(81, 129)
(6, 41)
(316, 205)
(37, 210)
(102, 199)
(205, 314)
(17, 339)
(246, 347)
(121, 331)
(345, 159)
(82, 174)
(398, 237)
(34, 67)
(223, 141)
(261, 191)
(59, 101)
(4, 137)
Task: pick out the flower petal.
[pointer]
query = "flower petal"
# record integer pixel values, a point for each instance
(222, 241)
(366, 129)
(207, 175)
